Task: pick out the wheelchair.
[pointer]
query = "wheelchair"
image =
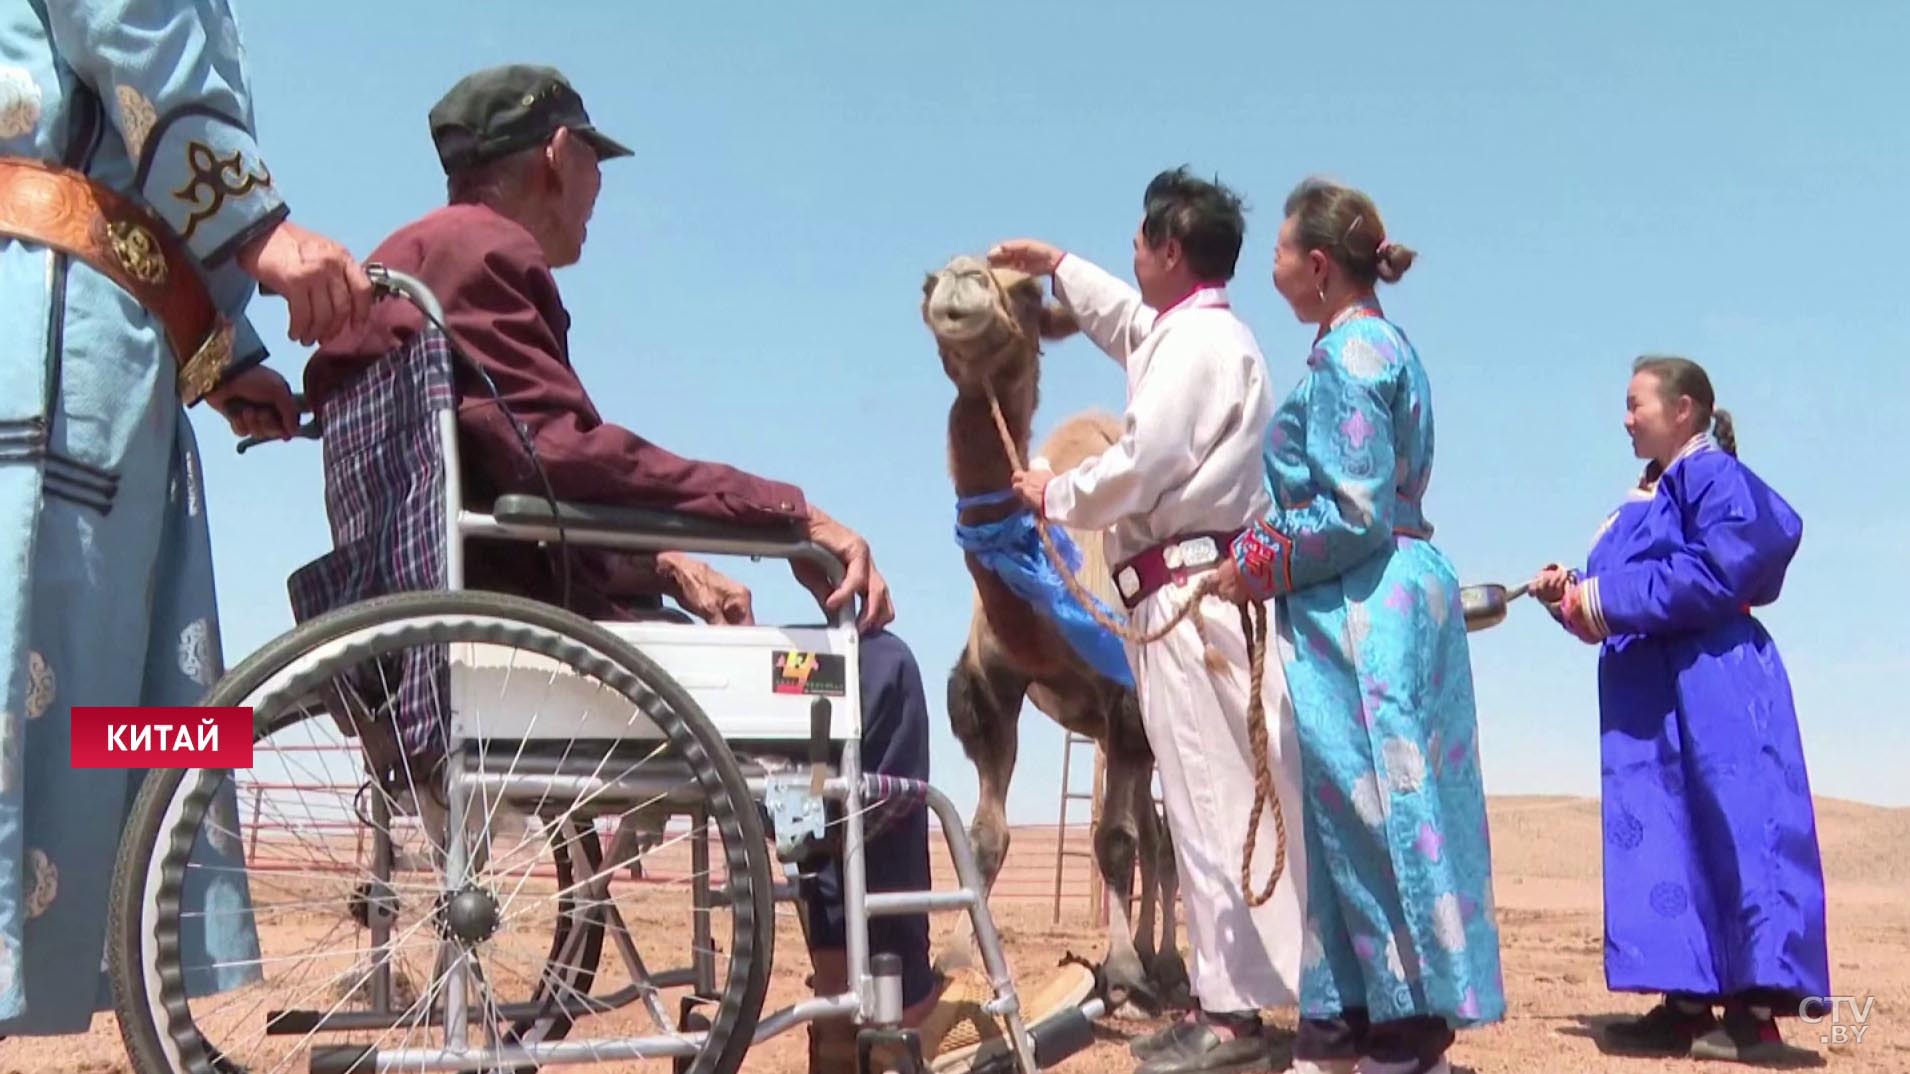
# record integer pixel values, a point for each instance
(466, 807)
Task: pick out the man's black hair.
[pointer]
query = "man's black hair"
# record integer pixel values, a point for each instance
(1207, 218)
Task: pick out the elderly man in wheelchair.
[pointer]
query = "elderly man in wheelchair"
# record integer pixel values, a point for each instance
(492, 745)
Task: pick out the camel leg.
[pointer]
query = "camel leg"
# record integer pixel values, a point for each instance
(1167, 969)
(984, 711)
(1147, 839)
(1116, 843)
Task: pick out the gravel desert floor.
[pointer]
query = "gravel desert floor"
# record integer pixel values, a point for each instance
(1547, 888)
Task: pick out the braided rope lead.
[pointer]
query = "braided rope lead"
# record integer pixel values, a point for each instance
(1255, 628)
(1256, 634)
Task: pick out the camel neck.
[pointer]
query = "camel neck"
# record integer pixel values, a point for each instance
(977, 461)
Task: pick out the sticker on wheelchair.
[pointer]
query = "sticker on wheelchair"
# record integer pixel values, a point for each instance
(808, 674)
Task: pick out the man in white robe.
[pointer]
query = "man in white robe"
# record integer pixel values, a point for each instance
(1186, 474)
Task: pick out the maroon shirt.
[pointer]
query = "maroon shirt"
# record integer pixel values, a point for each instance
(503, 310)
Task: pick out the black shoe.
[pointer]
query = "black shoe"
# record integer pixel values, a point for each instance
(1203, 1049)
(1743, 1037)
(1150, 1045)
(1664, 1030)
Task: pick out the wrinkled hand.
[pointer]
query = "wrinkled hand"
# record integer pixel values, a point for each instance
(706, 592)
(1229, 586)
(1032, 487)
(859, 574)
(1032, 256)
(1549, 585)
(1572, 613)
(325, 290)
(258, 403)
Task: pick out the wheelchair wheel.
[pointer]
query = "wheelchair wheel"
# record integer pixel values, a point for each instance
(487, 950)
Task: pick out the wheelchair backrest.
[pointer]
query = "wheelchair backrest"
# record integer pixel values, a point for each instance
(386, 458)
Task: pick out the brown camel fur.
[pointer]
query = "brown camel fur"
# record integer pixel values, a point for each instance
(988, 324)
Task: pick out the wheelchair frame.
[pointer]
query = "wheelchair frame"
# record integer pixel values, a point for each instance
(873, 999)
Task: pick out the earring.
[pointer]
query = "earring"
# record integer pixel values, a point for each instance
(1322, 289)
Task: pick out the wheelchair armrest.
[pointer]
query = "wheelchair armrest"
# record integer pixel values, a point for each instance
(648, 529)
(520, 509)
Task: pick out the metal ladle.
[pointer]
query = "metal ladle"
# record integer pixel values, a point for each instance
(1486, 605)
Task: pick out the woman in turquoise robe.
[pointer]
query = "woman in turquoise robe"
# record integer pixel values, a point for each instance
(1402, 945)
(1714, 889)
(106, 587)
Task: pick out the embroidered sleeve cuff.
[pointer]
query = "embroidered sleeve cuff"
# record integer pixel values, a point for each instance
(1594, 609)
(1265, 559)
(248, 350)
(201, 171)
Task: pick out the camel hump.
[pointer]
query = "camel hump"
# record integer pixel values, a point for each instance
(1079, 438)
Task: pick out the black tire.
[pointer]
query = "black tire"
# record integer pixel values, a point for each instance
(137, 915)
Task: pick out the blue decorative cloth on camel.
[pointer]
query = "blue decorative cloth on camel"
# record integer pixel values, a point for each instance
(1011, 549)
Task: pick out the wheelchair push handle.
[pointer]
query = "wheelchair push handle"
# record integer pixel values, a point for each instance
(385, 283)
(307, 430)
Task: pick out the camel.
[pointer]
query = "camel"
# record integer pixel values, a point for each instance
(988, 324)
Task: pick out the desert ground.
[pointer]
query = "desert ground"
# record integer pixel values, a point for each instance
(1547, 887)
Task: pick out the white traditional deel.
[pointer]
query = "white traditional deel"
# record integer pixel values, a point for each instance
(1188, 464)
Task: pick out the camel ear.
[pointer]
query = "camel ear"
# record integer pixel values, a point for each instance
(928, 283)
(1057, 323)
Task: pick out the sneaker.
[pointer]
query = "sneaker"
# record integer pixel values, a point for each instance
(1664, 1030)
(1744, 1037)
(959, 1033)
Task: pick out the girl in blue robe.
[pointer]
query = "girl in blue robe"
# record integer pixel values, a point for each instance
(1714, 894)
(1402, 944)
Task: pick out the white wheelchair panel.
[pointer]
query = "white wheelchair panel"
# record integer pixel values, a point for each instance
(754, 682)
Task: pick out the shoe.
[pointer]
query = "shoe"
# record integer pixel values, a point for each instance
(1203, 1049)
(1743, 1037)
(958, 1033)
(1664, 1030)
(1324, 1066)
(1150, 1045)
(1407, 1066)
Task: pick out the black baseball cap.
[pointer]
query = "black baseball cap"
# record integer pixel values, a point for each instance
(497, 111)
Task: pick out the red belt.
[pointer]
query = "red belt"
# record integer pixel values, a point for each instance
(1171, 562)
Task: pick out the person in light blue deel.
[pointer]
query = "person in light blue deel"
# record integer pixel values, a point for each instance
(114, 318)
(1714, 890)
(1402, 943)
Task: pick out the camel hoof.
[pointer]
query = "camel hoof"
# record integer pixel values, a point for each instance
(1129, 995)
(1171, 982)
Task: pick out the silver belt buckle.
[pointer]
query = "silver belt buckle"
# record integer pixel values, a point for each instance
(1129, 581)
(1194, 553)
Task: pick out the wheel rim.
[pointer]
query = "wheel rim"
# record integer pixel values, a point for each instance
(185, 803)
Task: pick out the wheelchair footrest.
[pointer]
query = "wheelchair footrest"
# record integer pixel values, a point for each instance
(1055, 1038)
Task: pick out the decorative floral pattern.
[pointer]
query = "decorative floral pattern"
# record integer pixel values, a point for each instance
(195, 653)
(19, 102)
(136, 119)
(42, 684)
(44, 877)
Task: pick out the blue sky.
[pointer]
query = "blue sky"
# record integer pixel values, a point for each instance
(1584, 183)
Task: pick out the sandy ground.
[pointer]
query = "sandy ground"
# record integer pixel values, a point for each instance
(1547, 868)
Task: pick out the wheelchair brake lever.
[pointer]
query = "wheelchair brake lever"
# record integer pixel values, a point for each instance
(308, 430)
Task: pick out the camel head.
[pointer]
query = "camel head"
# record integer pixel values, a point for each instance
(988, 322)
